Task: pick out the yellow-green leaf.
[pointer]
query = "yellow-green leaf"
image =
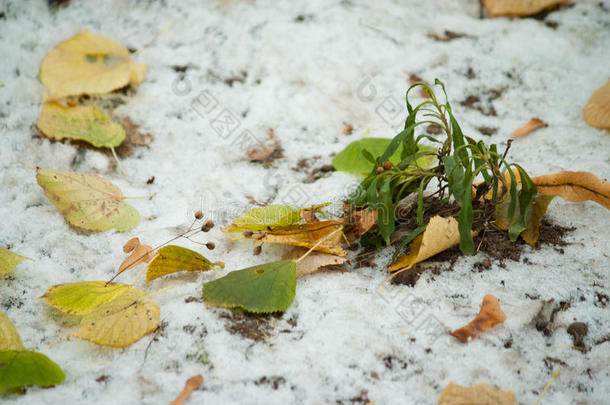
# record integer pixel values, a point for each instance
(19, 368)
(260, 218)
(9, 260)
(88, 201)
(531, 233)
(171, 259)
(88, 63)
(84, 123)
(9, 337)
(81, 298)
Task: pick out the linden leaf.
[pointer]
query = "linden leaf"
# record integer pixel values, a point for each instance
(19, 368)
(139, 254)
(9, 337)
(81, 298)
(308, 235)
(120, 322)
(575, 187)
(260, 218)
(9, 260)
(597, 109)
(520, 8)
(313, 261)
(532, 125)
(265, 288)
(479, 394)
(88, 63)
(84, 123)
(171, 259)
(87, 201)
(440, 234)
(489, 316)
(532, 231)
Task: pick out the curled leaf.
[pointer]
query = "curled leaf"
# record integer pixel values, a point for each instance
(9, 260)
(20, 368)
(597, 109)
(575, 187)
(313, 261)
(139, 254)
(9, 337)
(83, 123)
(489, 316)
(519, 8)
(265, 288)
(440, 234)
(532, 125)
(359, 223)
(171, 259)
(87, 201)
(88, 63)
(479, 394)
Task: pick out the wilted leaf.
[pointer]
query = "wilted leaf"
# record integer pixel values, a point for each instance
(575, 187)
(9, 337)
(88, 63)
(87, 201)
(489, 316)
(265, 288)
(479, 394)
(260, 218)
(535, 214)
(440, 234)
(519, 8)
(19, 368)
(313, 261)
(532, 125)
(83, 123)
(9, 260)
(139, 254)
(597, 109)
(191, 385)
(307, 235)
(359, 223)
(81, 298)
(171, 259)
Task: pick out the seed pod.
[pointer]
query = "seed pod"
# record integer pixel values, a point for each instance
(379, 170)
(209, 224)
(257, 250)
(210, 245)
(247, 233)
(198, 214)
(387, 165)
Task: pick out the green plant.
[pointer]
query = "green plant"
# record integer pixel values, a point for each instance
(458, 161)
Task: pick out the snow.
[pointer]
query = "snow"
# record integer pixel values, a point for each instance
(346, 61)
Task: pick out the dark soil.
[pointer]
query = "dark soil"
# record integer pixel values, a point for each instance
(254, 327)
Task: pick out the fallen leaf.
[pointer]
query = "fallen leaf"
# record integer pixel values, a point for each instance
(440, 234)
(479, 394)
(112, 315)
(575, 187)
(266, 153)
(88, 63)
(9, 337)
(87, 201)
(264, 288)
(139, 254)
(171, 259)
(532, 232)
(82, 123)
(191, 385)
(532, 125)
(9, 260)
(20, 368)
(260, 218)
(519, 8)
(359, 223)
(306, 235)
(597, 109)
(313, 261)
(489, 316)
(133, 138)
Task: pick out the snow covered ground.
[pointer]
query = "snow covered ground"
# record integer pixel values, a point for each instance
(303, 69)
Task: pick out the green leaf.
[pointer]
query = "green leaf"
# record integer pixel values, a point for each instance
(265, 288)
(9, 260)
(171, 259)
(21, 368)
(385, 211)
(527, 194)
(351, 159)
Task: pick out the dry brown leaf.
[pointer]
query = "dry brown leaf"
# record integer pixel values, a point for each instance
(479, 394)
(313, 261)
(266, 154)
(140, 254)
(133, 138)
(532, 125)
(440, 234)
(489, 316)
(597, 109)
(575, 187)
(519, 8)
(191, 385)
(359, 223)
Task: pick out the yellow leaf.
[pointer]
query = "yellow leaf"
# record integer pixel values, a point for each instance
(9, 260)
(313, 261)
(532, 232)
(82, 297)
(497, 8)
(85, 123)
(440, 234)
(597, 109)
(575, 187)
(171, 259)
(88, 63)
(479, 394)
(9, 337)
(87, 201)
